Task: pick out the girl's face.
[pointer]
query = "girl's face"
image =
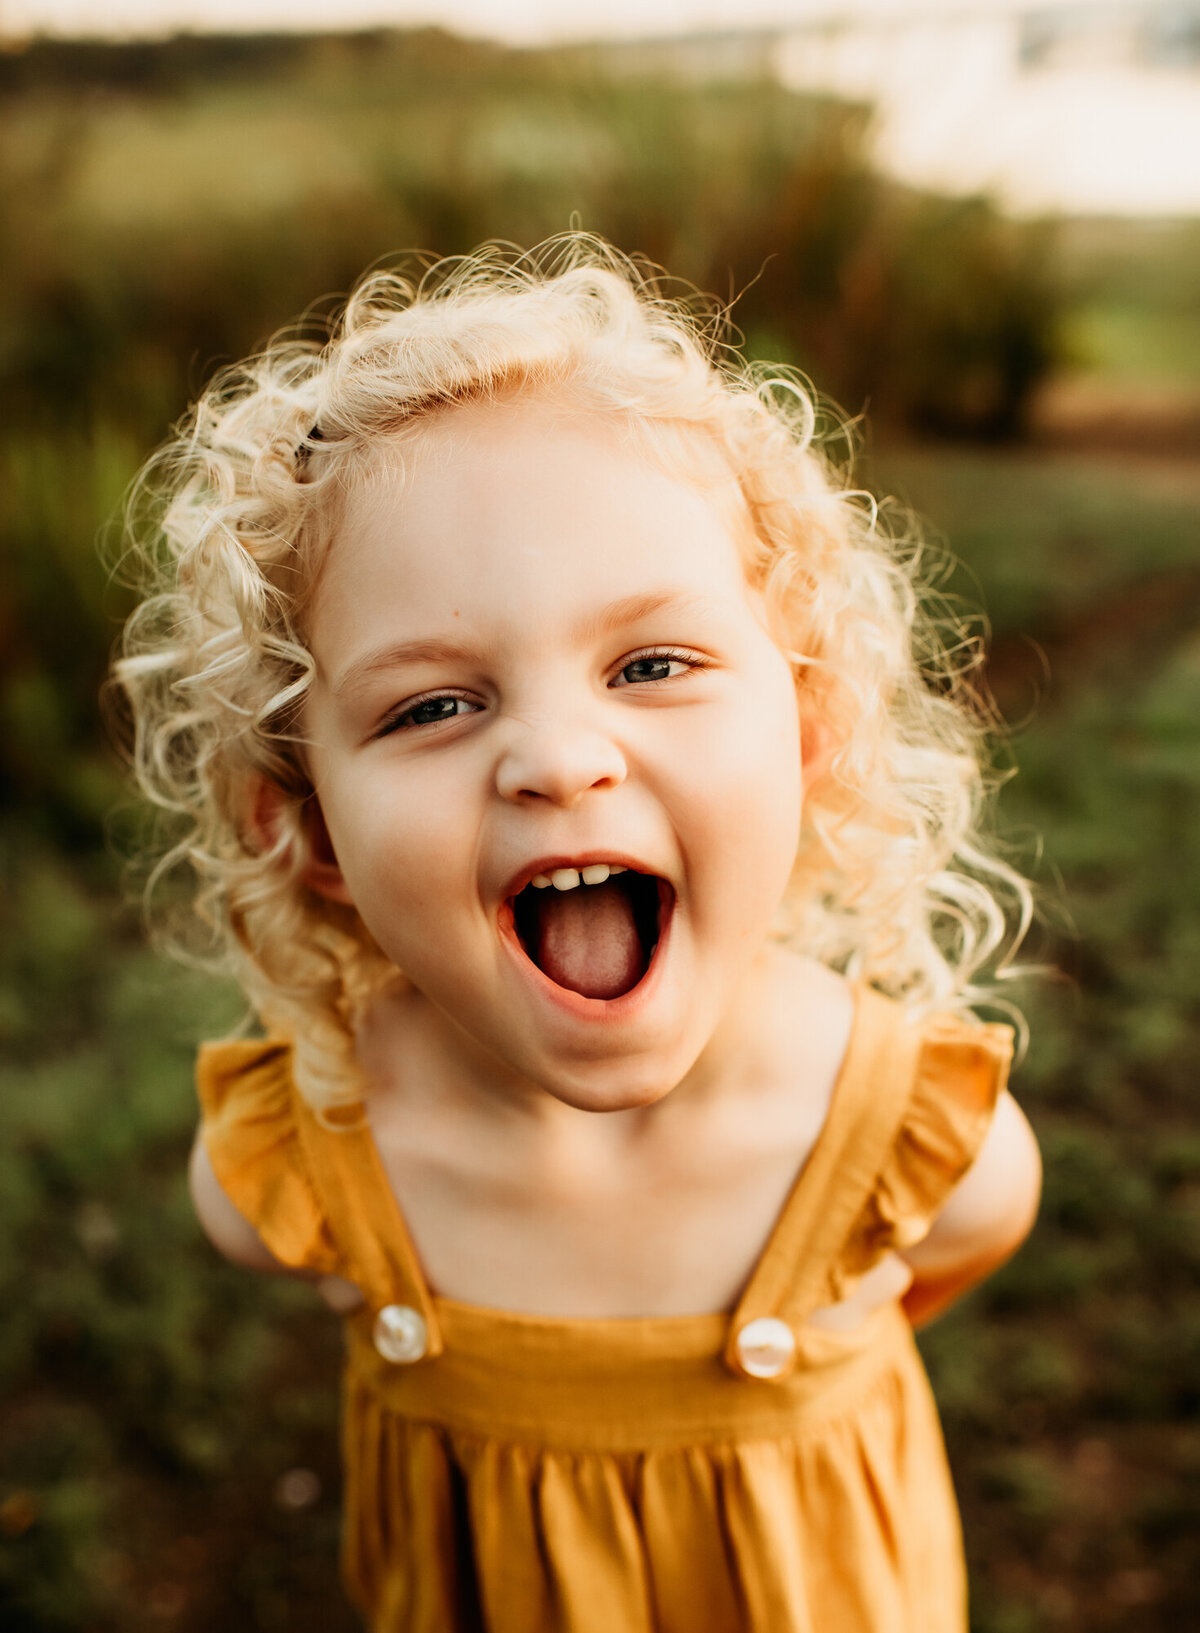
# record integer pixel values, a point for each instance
(536, 654)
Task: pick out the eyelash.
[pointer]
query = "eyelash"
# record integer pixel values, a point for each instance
(400, 721)
(668, 654)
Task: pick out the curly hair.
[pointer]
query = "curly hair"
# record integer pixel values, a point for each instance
(894, 882)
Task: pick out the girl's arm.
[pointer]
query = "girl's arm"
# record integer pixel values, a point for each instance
(989, 1214)
(228, 1231)
(233, 1235)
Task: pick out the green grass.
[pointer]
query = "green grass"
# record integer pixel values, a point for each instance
(1124, 344)
(1047, 542)
(1088, 1345)
(1135, 319)
(151, 1397)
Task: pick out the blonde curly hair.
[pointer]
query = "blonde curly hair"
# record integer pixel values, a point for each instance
(231, 520)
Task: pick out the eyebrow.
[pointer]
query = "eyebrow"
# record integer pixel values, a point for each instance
(395, 657)
(631, 609)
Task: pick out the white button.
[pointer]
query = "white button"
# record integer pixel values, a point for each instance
(400, 1333)
(765, 1347)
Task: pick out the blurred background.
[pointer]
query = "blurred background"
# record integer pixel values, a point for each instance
(980, 225)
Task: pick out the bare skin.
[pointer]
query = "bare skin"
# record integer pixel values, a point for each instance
(655, 1213)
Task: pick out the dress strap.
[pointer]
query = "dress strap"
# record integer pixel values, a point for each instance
(364, 1215)
(868, 1106)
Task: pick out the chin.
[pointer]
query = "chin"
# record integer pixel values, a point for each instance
(611, 1085)
(610, 1096)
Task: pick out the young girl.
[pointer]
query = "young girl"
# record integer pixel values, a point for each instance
(570, 777)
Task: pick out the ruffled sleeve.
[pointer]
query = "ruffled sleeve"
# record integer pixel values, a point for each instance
(247, 1099)
(962, 1067)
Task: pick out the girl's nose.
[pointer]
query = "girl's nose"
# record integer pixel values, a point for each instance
(558, 762)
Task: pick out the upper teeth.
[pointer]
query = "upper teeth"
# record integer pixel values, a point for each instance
(567, 878)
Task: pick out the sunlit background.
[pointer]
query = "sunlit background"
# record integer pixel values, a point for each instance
(1076, 105)
(975, 222)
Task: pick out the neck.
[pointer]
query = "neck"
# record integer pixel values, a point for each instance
(412, 1052)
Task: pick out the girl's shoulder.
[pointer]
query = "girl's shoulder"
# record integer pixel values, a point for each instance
(253, 1126)
(933, 1085)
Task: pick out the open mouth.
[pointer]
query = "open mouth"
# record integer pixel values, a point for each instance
(595, 939)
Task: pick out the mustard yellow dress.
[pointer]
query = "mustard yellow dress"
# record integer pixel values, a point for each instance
(690, 1474)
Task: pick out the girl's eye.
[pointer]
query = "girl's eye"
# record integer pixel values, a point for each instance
(654, 666)
(430, 711)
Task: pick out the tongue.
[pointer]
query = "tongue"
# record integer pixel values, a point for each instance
(587, 940)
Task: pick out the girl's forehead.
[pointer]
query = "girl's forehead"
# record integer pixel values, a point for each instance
(563, 472)
(494, 505)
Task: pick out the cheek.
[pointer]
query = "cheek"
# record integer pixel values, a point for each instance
(397, 843)
(764, 780)
(766, 737)
(742, 792)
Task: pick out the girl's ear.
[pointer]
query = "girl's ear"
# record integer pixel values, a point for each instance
(321, 872)
(272, 810)
(819, 742)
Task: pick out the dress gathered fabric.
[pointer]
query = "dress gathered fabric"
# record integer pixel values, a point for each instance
(532, 1474)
